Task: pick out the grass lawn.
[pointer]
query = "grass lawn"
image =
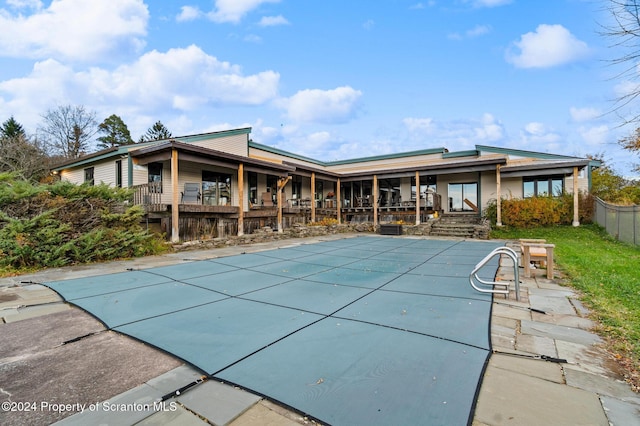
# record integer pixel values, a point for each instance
(607, 273)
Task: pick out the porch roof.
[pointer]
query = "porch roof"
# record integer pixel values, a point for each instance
(438, 168)
(201, 155)
(544, 168)
(303, 170)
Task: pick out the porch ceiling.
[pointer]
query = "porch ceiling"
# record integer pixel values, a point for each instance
(201, 155)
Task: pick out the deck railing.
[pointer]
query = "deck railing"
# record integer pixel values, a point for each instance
(148, 195)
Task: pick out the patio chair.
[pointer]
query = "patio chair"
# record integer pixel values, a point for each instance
(191, 193)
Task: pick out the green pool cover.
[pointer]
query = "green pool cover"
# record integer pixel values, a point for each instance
(366, 330)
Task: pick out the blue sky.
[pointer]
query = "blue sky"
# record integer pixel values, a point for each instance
(327, 79)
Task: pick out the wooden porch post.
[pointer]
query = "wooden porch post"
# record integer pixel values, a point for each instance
(282, 182)
(241, 199)
(338, 202)
(576, 215)
(418, 198)
(375, 200)
(498, 197)
(175, 198)
(313, 197)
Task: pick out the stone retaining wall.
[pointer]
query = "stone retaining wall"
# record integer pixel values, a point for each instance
(267, 234)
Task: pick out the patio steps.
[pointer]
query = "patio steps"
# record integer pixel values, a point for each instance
(461, 226)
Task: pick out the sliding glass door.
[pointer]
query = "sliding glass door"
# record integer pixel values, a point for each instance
(463, 197)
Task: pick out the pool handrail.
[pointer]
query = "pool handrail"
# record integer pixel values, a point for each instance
(497, 251)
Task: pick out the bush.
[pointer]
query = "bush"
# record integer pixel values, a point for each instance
(541, 211)
(327, 221)
(63, 224)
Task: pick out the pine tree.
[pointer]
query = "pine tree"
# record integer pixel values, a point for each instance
(156, 132)
(116, 133)
(12, 129)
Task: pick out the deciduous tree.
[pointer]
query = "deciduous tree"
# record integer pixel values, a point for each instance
(632, 143)
(25, 157)
(67, 130)
(624, 30)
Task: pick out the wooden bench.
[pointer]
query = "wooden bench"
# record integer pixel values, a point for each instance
(537, 250)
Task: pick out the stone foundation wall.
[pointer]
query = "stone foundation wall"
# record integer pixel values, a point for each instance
(267, 234)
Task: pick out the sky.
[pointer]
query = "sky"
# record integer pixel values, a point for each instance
(328, 79)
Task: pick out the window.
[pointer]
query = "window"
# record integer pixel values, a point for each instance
(253, 187)
(319, 189)
(119, 173)
(88, 176)
(427, 183)
(463, 197)
(155, 177)
(296, 187)
(389, 192)
(543, 186)
(216, 188)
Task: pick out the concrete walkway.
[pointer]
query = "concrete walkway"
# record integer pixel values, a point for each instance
(58, 364)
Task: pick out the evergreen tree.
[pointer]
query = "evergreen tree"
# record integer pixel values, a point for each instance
(12, 129)
(156, 132)
(115, 133)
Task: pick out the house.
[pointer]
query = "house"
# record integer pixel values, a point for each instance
(223, 183)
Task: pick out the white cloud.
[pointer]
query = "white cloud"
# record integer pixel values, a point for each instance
(548, 46)
(489, 129)
(234, 10)
(535, 129)
(488, 3)
(338, 105)
(25, 4)
(369, 24)
(626, 88)
(179, 79)
(252, 38)
(477, 31)
(595, 136)
(50, 83)
(459, 134)
(424, 125)
(188, 78)
(188, 13)
(583, 114)
(75, 30)
(537, 137)
(272, 21)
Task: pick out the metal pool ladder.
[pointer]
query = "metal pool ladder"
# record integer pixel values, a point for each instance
(503, 286)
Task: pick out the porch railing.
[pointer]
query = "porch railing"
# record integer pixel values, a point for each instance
(148, 195)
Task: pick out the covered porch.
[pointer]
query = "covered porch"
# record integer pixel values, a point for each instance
(189, 186)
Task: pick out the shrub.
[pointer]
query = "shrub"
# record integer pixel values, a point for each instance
(327, 221)
(541, 211)
(63, 224)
